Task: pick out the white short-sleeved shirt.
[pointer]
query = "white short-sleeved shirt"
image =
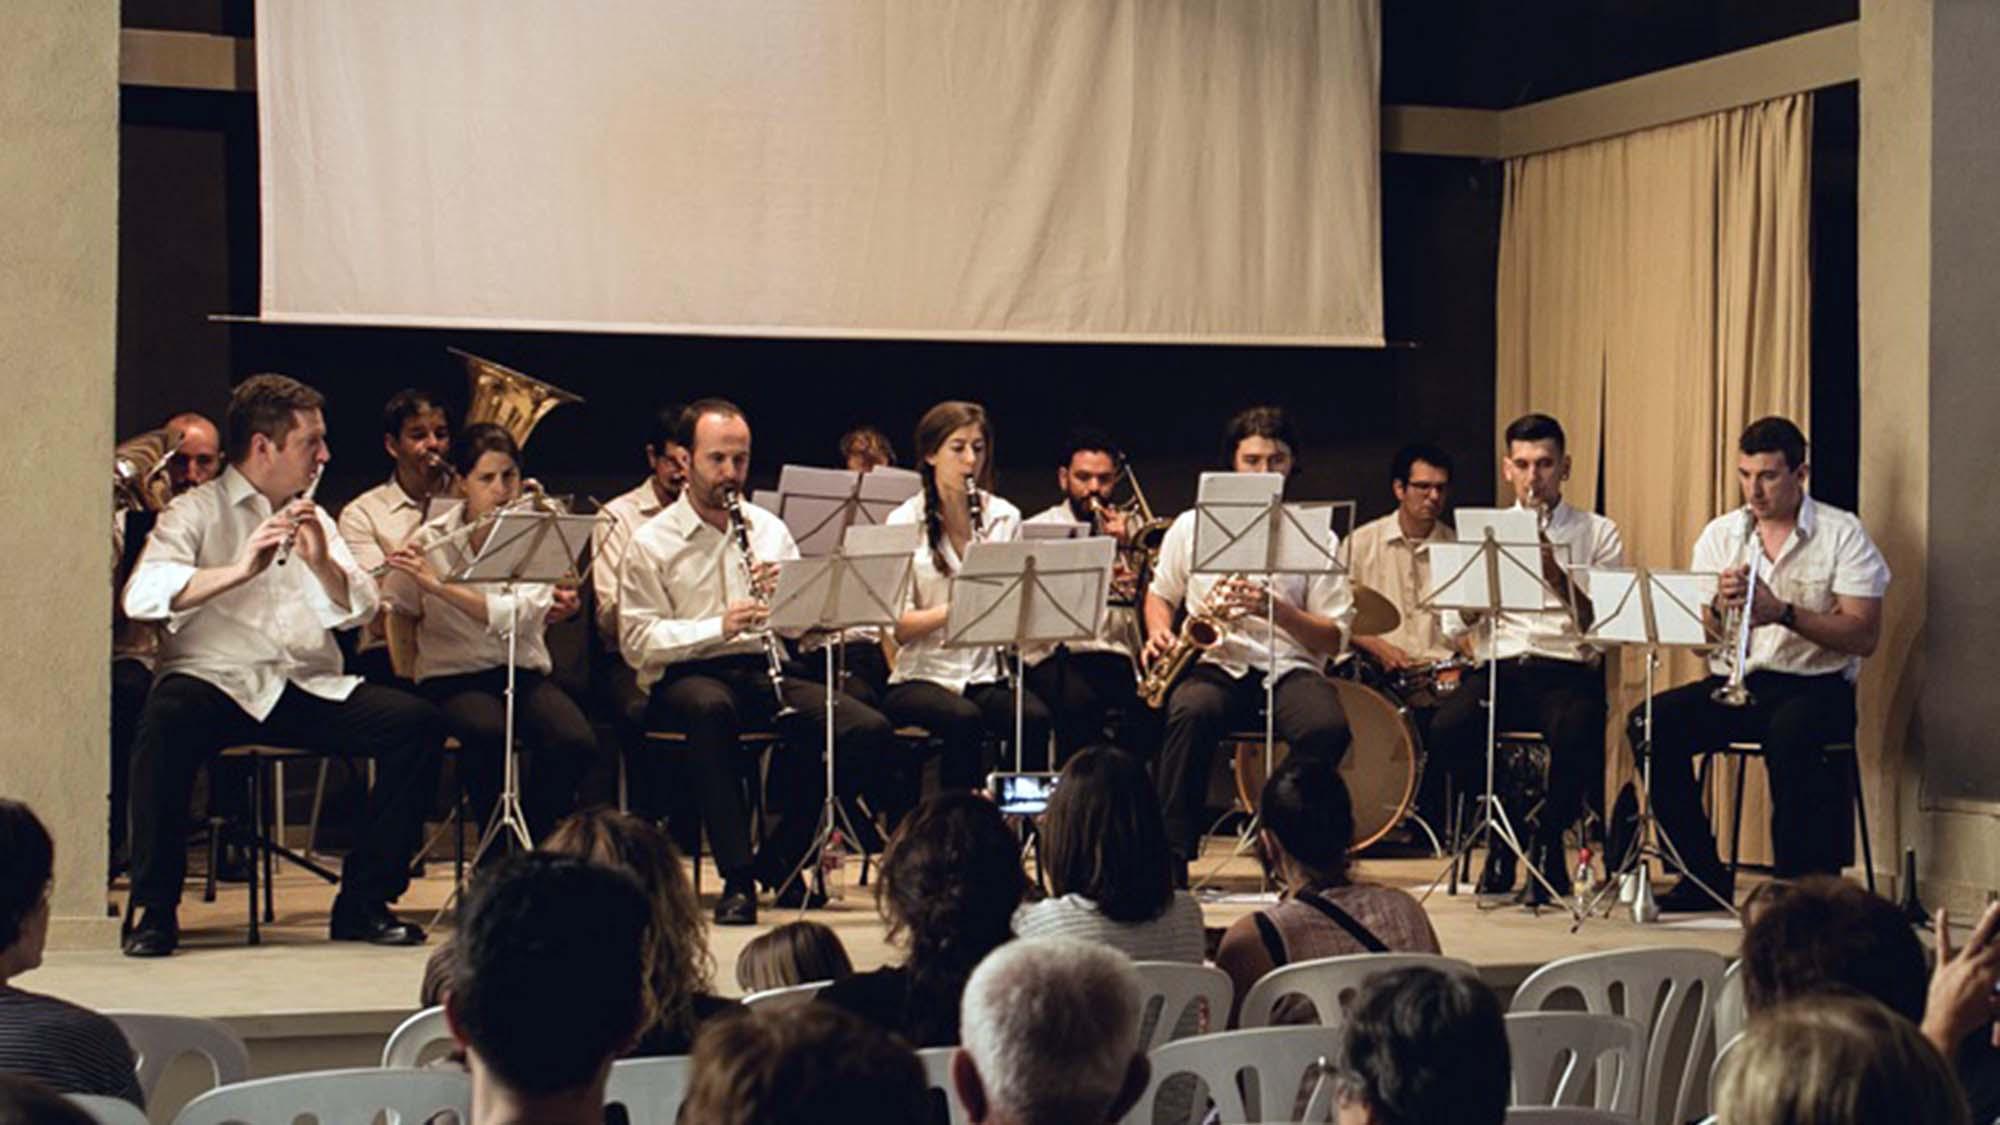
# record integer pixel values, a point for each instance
(1827, 555)
(1582, 539)
(927, 658)
(375, 523)
(1380, 556)
(1244, 648)
(1109, 636)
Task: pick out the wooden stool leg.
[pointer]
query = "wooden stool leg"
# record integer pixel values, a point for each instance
(1861, 815)
(1736, 815)
(272, 797)
(256, 826)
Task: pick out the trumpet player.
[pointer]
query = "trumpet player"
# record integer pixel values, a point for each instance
(1550, 680)
(461, 660)
(1224, 688)
(249, 657)
(693, 628)
(1813, 615)
(417, 437)
(1087, 683)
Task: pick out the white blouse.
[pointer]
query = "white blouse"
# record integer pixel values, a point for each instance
(926, 658)
(451, 642)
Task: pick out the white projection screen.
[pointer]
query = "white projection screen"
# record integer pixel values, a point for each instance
(1145, 170)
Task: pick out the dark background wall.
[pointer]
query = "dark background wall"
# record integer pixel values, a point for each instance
(188, 241)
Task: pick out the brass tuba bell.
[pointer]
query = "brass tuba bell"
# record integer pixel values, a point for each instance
(507, 398)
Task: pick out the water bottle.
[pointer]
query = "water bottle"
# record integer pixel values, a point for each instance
(1580, 884)
(833, 867)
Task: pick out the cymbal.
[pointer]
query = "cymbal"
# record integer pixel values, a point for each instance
(1374, 614)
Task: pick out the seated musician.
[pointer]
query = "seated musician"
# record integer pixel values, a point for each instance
(1224, 688)
(865, 447)
(1550, 680)
(250, 579)
(1087, 683)
(690, 622)
(1815, 613)
(417, 437)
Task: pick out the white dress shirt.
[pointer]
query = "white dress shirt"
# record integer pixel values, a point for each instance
(1827, 555)
(375, 523)
(449, 641)
(1110, 636)
(1384, 559)
(1245, 646)
(927, 658)
(617, 522)
(251, 641)
(679, 575)
(1581, 539)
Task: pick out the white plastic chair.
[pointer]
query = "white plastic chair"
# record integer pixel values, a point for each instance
(1169, 989)
(1281, 1059)
(790, 996)
(1656, 987)
(937, 1074)
(1330, 983)
(1732, 1011)
(1728, 1047)
(158, 1040)
(1555, 1053)
(1565, 1115)
(651, 1090)
(406, 1045)
(108, 1111)
(336, 1097)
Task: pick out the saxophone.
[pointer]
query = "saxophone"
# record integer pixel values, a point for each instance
(1202, 631)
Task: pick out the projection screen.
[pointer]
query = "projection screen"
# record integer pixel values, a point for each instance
(1143, 170)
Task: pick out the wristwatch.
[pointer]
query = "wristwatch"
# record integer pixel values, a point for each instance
(1790, 617)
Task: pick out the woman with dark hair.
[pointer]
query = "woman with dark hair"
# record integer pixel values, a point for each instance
(1308, 824)
(950, 883)
(960, 695)
(1109, 867)
(462, 642)
(70, 1050)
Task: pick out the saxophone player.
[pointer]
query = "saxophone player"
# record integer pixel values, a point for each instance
(1814, 614)
(691, 626)
(1225, 687)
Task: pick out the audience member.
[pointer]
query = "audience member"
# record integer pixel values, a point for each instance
(1109, 866)
(1050, 1028)
(804, 1066)
(1308, 824)
(1836, 1060)
(72, 1050)
(24, 1101)
(794, 953)
(549, 987)
(1422, 1047)
(950, 883)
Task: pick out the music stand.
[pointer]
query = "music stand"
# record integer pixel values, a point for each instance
(819, 505)
(1021, 592)
(862, 583)
(1651, 609)
(1497, 570)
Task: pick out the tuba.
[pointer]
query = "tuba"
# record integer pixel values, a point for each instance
(139, 481)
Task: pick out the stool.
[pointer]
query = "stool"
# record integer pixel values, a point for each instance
(757, 742)
(1745, 750)
(264, 851)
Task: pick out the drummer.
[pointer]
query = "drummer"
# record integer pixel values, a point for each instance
(1391, 556)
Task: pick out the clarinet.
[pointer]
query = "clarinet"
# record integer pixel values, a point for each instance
(774, 661)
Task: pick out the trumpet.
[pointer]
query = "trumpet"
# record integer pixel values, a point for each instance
(774, 660)
(292, 536)
(1736, 625)
(1202, 631)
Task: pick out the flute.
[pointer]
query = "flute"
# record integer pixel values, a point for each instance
(285, 548)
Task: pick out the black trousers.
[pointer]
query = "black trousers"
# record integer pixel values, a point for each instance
(187, 721)
(1207, 704)
(961, 723)
(1090, 692)
(1562, 699)
(864, 672)
(1795, 717)
(131, 682)
(559, 746)
(712, 701)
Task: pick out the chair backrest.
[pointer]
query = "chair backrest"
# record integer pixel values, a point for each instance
(791, 995)
(651, 1090)
(1174, 991)
(158, 1040)
(336, 1097)
(1732, 1011)
(1555, 1054)
(1565, 1115)
(1276, 1061)
(1330, 983)
(1662, 989)
(1728, 1048)
(937, 1074)
(108, 1111)
(406, 1045)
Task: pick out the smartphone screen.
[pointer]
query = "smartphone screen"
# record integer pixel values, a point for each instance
(1021, 794)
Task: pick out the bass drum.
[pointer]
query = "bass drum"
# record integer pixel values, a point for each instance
(1381, 769)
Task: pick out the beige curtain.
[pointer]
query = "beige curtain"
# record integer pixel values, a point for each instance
(1654, 295)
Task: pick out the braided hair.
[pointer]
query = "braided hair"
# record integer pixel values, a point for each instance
(933, 430)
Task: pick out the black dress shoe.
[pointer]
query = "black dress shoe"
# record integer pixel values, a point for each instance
(1497, 877)
(738, 906)
(1687, 897)
(797, 894)
(156, 933)
(373, 923)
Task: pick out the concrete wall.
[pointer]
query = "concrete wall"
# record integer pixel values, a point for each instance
(58, 287)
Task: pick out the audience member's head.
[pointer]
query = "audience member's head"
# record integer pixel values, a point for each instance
(794, 953)
(808, 1064)
(549, 986)
(1836, 1060)
(24, 1101)
(27, 875)
(1050, 1034)
(1104, 839)
(1423, 1047)
(1824, 934)
(678, 963)
(1308, 822)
